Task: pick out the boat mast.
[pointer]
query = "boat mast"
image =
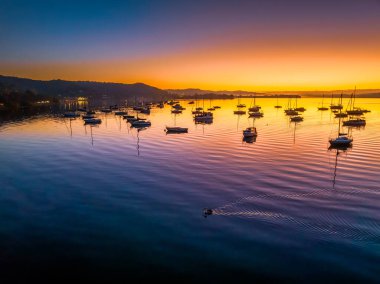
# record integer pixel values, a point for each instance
(353, 100)
(349, 106)
(339, 126)
(335, 167)
(323, 96)
(340, 112)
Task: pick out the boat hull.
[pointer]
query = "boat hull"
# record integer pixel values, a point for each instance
(176, 130)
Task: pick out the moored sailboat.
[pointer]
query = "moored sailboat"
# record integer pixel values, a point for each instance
(277, 105)
(323, 107)
(343, 139)
(176, 129)
(254, 107)
(250, 132)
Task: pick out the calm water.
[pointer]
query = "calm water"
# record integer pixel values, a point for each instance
(112, 203)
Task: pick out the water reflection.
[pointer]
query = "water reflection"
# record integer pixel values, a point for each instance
(138, 130)
(338, 150)
(249, 139)
(68, 125)
(275, 196)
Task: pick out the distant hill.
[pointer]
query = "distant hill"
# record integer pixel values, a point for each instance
(193, 92)
(360, 93)
(363, 93)
(114, 92)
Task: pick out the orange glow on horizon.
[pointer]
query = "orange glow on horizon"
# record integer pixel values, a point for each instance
(273, 65)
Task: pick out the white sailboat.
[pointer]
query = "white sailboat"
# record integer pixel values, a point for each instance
(343, 139)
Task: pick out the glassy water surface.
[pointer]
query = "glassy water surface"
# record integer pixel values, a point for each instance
(110, 202)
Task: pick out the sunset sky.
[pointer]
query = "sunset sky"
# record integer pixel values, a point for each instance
(250, 45)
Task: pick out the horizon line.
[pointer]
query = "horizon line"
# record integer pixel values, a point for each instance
(196, 88)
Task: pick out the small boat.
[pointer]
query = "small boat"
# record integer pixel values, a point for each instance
(355, 122)
(240, 105)
(216, 107)
(356, 111)
(291, 111)
(296, 118)
(204, 117)
(88, 116)
(338, 106)
(341, 114)
(176, 111)
(145, 110)
(178, 106)
(196, 112)
(90, 112)
(191, 102)
(239, 112)
(121, 112)
(277, 105)
(141, 123)
(106, 110)
(323, 107)
(250, 132)
(340, 141)
(300, 109)
(176, 129)
(114, 107)
(256, 114)
(128, 116)
(132, 119)
(207, 212)
(71, 114)
(211, 109)
(92, 121)
(254, 108)
(199, 108)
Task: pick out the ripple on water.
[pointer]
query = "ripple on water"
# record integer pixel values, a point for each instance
(284, 191)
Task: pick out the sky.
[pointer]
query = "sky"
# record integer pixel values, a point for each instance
(217, 45)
